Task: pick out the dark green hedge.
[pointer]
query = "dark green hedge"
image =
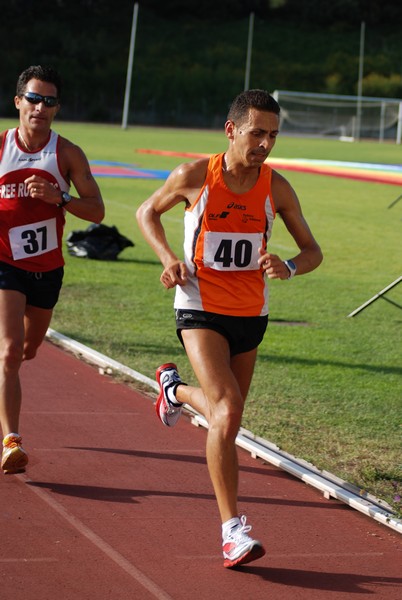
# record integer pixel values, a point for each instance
(190, 57)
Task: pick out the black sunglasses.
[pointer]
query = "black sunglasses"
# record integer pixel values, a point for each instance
(37, 98)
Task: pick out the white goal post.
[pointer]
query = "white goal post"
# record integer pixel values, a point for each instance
(346, 117)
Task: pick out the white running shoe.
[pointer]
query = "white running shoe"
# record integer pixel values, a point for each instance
(239, 548)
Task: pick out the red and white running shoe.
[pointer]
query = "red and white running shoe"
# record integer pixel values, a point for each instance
(239, 548)
(167, 407)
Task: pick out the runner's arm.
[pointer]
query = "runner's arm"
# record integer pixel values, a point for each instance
(182, 185)
(288, 207)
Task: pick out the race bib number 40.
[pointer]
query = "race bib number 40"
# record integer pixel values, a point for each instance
(33, 239)
(225, 251)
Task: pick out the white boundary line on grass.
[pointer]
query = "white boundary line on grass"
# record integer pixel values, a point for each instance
(328, 484)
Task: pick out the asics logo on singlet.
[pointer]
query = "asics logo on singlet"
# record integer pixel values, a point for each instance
(215, 216)
(236, 206)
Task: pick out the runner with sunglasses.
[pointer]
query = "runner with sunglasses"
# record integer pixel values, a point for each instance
(37, 168)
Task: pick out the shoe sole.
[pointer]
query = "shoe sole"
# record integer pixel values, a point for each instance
(15, 463)
(160, 399)
(257, 551)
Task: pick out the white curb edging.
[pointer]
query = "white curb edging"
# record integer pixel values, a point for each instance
(328, 484)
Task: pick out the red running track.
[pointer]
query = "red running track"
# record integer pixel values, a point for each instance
(114, 506)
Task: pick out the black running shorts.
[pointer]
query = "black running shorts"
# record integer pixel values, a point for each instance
(242, 333)
(41, 289)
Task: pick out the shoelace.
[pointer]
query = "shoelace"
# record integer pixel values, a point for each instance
(12, 442)
(175, 379)
(167, 386)
(242, 530)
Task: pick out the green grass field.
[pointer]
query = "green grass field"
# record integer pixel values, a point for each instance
(327, 388)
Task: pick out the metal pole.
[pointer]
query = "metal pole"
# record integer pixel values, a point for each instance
(360, 82)
(382, 121)
(130, 67)
(249, 49)
(399, 128)
(377, 296)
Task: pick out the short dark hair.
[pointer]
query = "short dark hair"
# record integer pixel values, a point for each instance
(258, 99)
(47, 74)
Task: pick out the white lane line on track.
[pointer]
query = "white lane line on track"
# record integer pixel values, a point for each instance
(110, 552)
(273, 556)
(28, 560)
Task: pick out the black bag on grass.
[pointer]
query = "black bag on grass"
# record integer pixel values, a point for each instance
(101, 242)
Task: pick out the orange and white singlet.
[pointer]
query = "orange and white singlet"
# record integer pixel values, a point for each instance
(222, 234)
(31, 230)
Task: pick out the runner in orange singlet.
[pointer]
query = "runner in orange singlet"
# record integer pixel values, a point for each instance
(37, 167)
(221, 298)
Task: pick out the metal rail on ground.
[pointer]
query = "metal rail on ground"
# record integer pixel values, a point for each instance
(380, 294)
(330, 485)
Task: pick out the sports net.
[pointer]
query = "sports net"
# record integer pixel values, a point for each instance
(342, 116)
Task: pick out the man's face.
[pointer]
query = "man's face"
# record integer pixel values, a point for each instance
(37, 117)
(253, 139)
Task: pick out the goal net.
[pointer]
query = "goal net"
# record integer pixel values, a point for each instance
(350, 117)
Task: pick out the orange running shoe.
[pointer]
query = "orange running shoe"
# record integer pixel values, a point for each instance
(14, 458)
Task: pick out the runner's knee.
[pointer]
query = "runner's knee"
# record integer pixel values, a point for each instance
(11, 355)
(226, 417)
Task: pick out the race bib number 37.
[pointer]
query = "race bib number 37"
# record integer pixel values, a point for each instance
(225, 251)
(33, 239)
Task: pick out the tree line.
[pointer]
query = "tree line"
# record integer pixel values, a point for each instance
(190, 56)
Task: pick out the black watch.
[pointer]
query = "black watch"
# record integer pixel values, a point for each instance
(65, 199)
